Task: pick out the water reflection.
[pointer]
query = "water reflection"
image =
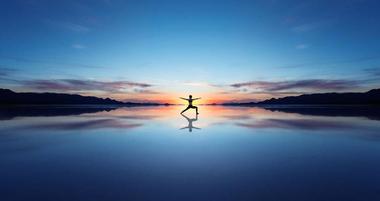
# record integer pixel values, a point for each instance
(10, 112)
(316, 118)
(370, 112)
(190, 123)
(297, 124)
(83, 154)
(310, 119)
(86, 125)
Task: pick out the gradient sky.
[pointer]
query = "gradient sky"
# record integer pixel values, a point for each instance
(159, 50)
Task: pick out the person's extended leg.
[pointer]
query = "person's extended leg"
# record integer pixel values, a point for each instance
(185, 110)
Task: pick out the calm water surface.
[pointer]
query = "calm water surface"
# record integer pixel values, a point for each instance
(153, 153)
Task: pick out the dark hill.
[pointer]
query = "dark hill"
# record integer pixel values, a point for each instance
(371, 97)
(12, 98)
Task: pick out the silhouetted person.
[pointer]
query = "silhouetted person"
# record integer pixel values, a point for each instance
(190, 100)
(190, 121)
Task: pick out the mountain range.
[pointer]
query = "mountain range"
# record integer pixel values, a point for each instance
(371, 97)
(9, 97)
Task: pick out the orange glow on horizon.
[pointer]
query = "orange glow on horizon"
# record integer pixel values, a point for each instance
(174, 98)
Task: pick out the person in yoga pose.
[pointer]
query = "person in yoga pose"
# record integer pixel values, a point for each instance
(190, 100)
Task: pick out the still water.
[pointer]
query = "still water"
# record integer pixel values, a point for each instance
(226, 153)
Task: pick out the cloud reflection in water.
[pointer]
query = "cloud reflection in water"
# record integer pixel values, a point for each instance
(90, 124)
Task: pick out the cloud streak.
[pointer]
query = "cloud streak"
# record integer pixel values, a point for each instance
(47, 62)
(5, 74)
(332, 62)
(5, 71)
(69, 26)
(302, 46)
(373, 71)
(78, 46)
(83, 85)
(306, 27)
(312, 84)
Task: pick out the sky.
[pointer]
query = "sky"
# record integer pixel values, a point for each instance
(159, 50)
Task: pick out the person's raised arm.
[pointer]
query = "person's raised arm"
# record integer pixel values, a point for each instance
(184, 98)
(197, 98)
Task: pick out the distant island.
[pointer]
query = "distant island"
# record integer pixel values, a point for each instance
(9, 97)
(371, 97)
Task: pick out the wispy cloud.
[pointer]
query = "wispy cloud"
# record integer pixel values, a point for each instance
(309, 84)
(306, 27)
(302, 46)
(47, 62)
(332, 62)
(299, 23)
(312, 26)
(5, 72)
(146, 91)
(198, 84)
(373, 71)
(83, 85)
(78, 46)
(69, 26)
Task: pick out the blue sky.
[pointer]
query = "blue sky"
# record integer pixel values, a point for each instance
(221, 50)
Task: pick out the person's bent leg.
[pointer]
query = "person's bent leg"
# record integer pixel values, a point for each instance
(196, 109)
(185, 110)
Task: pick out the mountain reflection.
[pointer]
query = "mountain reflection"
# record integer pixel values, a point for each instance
(90, 124)
(148, 113)
(370, 112)
(284, 118)
(303, 124)
(10, 112)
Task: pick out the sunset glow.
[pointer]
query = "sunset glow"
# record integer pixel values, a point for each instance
(150, 51)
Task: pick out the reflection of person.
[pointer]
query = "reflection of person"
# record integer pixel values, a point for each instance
(190, 121)
(190, 100)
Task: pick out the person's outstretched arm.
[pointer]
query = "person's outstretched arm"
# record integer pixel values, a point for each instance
(197, 98)
(184, 98)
